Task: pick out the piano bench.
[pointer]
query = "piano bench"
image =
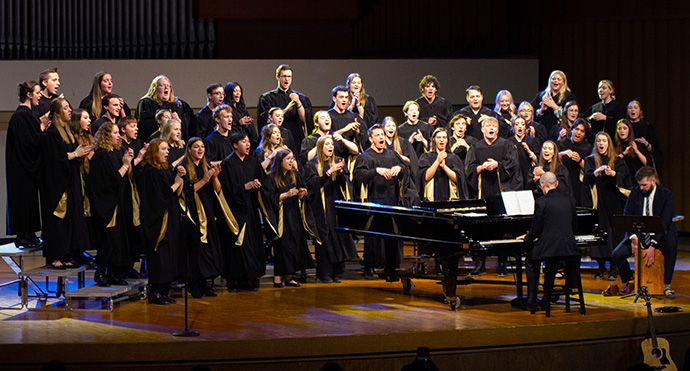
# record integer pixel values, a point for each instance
(571, 290)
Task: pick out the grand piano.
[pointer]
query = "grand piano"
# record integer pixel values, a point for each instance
(453, 229)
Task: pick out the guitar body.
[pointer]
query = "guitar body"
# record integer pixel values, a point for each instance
(658, 357)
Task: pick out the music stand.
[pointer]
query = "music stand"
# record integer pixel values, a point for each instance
(638, 224)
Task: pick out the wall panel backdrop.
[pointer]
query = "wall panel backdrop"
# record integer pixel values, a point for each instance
(87, 29)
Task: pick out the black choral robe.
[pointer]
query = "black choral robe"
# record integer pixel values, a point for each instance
(108, 197)
(549, 118)
(281, 99)
(22, 165)
(246, 261)
(440, 107)
(291, 222)
(406, 129)
(643, 129)
(524, 162)
(249, 129)
(561, 175)
(205, 259)
(146, 115)
(609, 200)
(613, 110)
(62, 203)
(506, 177)
(158, 205)
(341, 120)
(474, 127)
(218, 146)
(335, 247)
(578, 189)
(440, 187)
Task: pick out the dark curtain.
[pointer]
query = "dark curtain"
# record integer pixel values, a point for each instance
(103, 29)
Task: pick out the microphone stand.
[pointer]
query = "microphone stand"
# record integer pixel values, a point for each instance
(187, 332)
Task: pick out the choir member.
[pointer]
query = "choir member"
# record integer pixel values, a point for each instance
(217, 143)
(635, 154)
(562, 131)
(474, 112)
(243, 121)
(276, 116)
(102, 85)
(604, 115)
(325, 176)
(241, 177)
(107, 178)
(574, 149)
(80, 126)
(162, 115)
(533, 128)
(549, 161)
(172, 134)
(344, 121)
(296, 106)
(549, 102)
(160, 95)
(283, 194)
(505, 106)
(205, 123)
(607, 177)
(205, 261)
(433, 109)
(271, 142)
(492, 167)
(645, 133)
(459, 142)
(64, 226)
(443, 173)
(129, 134)
(322, 127)
(50, 83)
(160, 219)
(112, 109)
(414, 130)
(526, 147)
(22, 164)
(406, 151)
(380, 173)
(361, 103)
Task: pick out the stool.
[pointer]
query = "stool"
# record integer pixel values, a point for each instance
(653, 276)
(572, 290)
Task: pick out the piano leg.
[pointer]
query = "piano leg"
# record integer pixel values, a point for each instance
(450, 280)
(518, 272)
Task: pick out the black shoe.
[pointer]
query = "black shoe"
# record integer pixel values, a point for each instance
(168, 299)
(293, 283)
(277, 284)
(501, 270)
(479, 267)
(337, 280)
(25, 243)
(207, 289)
(599, 276)
(114, 280)
(158, 299)
(131, 273)
(303, 277)
(195, 291)
(56, 264)
(100, 278)
(369, 273)
(82, 257)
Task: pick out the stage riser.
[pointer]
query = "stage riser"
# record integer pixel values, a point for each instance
(614, 354)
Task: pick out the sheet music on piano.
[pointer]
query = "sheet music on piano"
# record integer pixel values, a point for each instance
(518, 202)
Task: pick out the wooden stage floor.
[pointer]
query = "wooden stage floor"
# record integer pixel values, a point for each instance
(361, 324)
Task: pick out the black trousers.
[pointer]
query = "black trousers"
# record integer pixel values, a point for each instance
(624, 250)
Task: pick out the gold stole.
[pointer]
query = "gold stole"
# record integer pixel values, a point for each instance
(135, 202)
(230, 218)
(61, 209)
(164, 229)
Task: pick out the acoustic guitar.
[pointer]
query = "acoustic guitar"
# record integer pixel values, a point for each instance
(655, 350)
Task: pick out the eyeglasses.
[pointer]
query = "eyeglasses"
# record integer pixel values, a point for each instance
(218, 93)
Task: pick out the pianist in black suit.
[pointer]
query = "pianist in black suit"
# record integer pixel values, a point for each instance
(553, 223)
(661, 204)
